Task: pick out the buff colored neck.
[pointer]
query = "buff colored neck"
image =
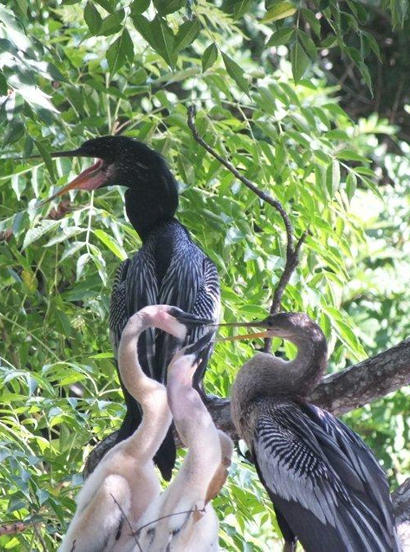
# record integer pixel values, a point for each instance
(149, 393)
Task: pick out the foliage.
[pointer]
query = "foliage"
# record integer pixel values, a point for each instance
(71, 71)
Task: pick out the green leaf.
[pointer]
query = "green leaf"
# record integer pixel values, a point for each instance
(350, 155)
(299, 60)
(92, 18)
(308, 44)
(164, 7)
(14, 131)
(110, 244)
(3, 85)
(279, 10)
(209, 57)
(112, 23)
(186, 34)
(311, 19)
(372, 43)
(333, 177)
(236, 72)
(45, 154)
(158, 35)
(33, 234)
(139, 6)
(351, 184)
(121, 50)
(241, 7)
(280, 37)
(108, 5)
(364, 71)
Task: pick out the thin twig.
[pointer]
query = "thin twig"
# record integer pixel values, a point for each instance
(292, 252)
(196, 509)
(133, 533)
(14, 528)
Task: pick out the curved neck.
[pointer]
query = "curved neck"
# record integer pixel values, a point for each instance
(268, 376)
(309, 365)
(149, 393)
(150, 203)
(195, 427)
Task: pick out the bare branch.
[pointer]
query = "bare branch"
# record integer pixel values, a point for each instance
(14, 528)
(365, 382)
(292, 253)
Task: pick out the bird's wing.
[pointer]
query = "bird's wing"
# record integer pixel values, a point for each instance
(190, 283)
(314, 485)
(362, 460)
(135, 286)
(207, 305)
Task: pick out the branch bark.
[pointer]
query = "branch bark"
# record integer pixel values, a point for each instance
(401, 507)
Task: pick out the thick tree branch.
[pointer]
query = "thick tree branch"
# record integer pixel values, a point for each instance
(365, 382)
(292, 251)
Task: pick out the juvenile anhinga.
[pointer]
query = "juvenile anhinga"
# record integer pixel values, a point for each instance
(326, 486)
(182, 519)
(169, 268)
(124, 483)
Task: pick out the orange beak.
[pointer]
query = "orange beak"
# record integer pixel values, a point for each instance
(90, 179)
(253, 335)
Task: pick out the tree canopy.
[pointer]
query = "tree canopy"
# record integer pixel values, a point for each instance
(306, 100)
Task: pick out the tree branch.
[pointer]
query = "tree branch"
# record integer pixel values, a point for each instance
(365, 382)
(292, 252)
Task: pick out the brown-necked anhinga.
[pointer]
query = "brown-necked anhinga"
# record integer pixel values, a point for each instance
(326, 486)
(182, 519)
(124, 484)
(169, 268)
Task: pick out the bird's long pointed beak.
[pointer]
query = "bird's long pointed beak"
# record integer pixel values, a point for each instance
(190, 320)
(199, 345)
(89, 179)
(257, 324)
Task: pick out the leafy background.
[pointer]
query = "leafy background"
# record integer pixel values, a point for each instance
(284, 90)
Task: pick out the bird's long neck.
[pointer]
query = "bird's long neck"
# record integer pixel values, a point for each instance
(149, 393)
(154, 201)
(196, 429)
(268, 376)
(307, 368)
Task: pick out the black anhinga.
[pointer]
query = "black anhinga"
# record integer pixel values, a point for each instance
(326, 486)
(125, 483)
(169, 268)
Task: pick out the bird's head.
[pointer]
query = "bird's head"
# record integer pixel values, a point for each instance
(174, 321)
(120, 161)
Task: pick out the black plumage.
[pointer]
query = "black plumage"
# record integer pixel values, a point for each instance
(168, 269)
(326, 486)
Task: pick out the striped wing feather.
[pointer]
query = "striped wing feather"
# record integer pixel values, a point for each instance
(316, 484)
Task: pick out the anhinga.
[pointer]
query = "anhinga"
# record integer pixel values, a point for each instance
(169, 268)
(326, 486)
(182, 518)
(124, 483)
